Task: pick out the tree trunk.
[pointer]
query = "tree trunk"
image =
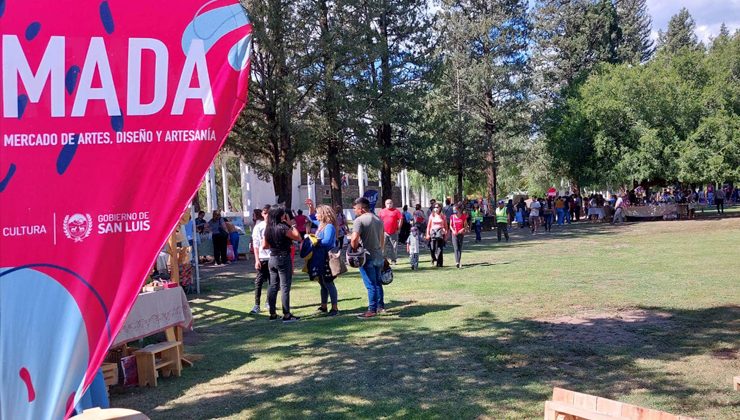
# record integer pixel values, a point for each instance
(384, 141)
(335, 175)
(459, 190)
(196, 202)
(283, 184)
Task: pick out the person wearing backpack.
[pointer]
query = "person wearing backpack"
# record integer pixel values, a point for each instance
(323, 218)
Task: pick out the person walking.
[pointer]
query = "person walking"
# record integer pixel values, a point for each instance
(521, 210)
(560, 210)
(368, 231)
(324, 219)
(449, 209)
(458, 226)
(436, 234)
(279, 237)
(618, 210)
(476, 218)
(217, 227)
(719, 200)
(534, 215)
(510, 212)
(502, 221)
(548, 209)
(412, 248)
(419, 218)
(261, 258)
(392, 221)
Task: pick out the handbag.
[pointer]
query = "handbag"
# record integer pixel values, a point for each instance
(386, 275)
(336, 263)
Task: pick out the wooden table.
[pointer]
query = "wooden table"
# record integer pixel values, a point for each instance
(165, 310)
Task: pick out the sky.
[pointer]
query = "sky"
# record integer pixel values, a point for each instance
(708, 15)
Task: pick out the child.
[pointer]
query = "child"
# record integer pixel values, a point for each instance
(412, 247)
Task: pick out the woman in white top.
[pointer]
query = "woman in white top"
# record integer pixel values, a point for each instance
(437, 234)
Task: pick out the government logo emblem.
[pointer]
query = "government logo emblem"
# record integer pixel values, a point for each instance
(77, 226)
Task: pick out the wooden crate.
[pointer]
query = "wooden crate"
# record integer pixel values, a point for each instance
(110, 373)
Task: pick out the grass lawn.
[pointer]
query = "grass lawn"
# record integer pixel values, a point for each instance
(643, 313)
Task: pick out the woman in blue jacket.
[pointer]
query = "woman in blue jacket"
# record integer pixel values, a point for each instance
(325, 220)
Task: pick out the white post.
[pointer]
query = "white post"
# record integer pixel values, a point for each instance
(406, 184)
(225, 184)
(207, 180)
(361, 180)
(321, 176)
(309, 186)
(211, 194)
(404, 188)
(246, 188)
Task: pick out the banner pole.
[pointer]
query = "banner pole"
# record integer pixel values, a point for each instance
(196, 238)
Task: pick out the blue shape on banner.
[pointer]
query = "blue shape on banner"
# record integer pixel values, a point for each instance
(372, 197)
(106, 17)
(22, 102)
(116, 122)
(66, 155)
(2, 8)
(6, 179)
(213, 25)
(32, 30)
(70, 79)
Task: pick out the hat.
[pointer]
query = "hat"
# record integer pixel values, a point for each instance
(501, 201)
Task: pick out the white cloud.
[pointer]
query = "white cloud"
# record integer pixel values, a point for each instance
(708, 15)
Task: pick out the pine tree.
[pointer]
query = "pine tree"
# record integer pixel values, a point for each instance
(267, 134)
(680, 33)
(571, 38)
(398, 43)
(485, 81)
(634, 21)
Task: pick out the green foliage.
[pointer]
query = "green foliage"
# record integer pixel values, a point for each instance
(680, 33)
(675, 118)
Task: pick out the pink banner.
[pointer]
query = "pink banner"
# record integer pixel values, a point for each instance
(111, 113)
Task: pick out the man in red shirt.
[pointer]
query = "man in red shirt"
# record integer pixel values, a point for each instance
(392, 221)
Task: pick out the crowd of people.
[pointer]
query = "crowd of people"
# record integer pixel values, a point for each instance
(276, 232)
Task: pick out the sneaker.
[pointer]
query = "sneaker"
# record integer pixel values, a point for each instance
(381, 310)
(290, 318)
(366, 315)
(255, 309)
(333, 312)
(273, 317)
(321, 309)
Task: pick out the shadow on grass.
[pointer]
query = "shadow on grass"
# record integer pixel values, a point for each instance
(389, 366)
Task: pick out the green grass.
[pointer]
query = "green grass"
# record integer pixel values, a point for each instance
(644, 313)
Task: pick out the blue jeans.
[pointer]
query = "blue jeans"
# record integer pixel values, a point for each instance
(234, 238)
(328, 290)
(561, 216)
(478, 227)
(370, 273)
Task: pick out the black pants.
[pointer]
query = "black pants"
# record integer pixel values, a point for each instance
(219, 248)
(720, 205)
(281, 275)
(502, 227)
(262, 277)
(578, 212)
(457, 245)
(437, 251)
